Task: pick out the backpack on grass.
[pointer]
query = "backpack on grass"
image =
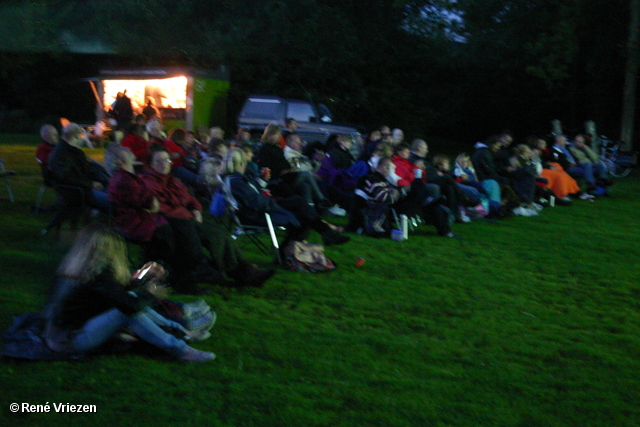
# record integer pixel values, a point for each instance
(307, 257)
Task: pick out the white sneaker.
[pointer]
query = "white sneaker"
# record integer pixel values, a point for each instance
(192, 311)
(586, 196)
(534, 207)
(464, 217)
(195, 336)
(191, 355)
(337, 211)
(522, 211)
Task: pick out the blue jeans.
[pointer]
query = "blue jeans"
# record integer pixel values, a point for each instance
(100, 328)
(589, 172)
(475, 193)
(601, 170)
(492, 188)
(584, 170)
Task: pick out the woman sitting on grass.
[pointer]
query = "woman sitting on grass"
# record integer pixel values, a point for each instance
(95, 296)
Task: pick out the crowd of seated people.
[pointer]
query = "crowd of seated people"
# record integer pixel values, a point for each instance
(499, 179)
(152, 206)
(153, 187)
(95, 295)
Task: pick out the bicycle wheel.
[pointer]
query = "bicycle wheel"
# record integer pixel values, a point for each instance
(610, 165)
(620, 170)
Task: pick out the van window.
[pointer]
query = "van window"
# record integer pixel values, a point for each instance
(325, 114)
(257, 107)
(301, 112)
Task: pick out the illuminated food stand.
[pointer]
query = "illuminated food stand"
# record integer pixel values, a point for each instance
(186, 97)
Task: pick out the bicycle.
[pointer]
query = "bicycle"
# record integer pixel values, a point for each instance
(617, 163)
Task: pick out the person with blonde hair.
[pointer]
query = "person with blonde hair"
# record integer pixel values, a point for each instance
(216, 132)
(291, 212)
(95, 296)
(398, 136)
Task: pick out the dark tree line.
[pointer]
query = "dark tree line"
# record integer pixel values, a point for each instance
(441, 69)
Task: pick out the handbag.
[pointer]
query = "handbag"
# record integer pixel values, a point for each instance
(307, 257)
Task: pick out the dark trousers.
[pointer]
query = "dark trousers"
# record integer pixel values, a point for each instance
(225, 254)
(307, 216)
(421, 201)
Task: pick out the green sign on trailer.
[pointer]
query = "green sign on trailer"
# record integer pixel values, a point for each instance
(187, 97)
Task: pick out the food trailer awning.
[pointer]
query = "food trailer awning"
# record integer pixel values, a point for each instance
(166, 85)
(172, 88)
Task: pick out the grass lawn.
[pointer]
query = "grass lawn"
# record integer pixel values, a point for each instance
(529, 322)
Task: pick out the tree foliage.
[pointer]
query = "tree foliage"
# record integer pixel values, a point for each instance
(434, 67)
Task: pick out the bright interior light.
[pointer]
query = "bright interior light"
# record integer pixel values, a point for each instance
(168, 93)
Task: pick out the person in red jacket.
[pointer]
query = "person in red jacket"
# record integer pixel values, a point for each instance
(422, 198)
(136, 214)
(155, 129)
(405, 169)
(184, 213)
(135, 141)
(176, 154)
(50, 138)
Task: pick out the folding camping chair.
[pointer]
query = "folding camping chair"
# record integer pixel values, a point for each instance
(43, 187)
(5, 174)
(251, 231)
(71, 205)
